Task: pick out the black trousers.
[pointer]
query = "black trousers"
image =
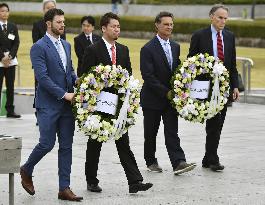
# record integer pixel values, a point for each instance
(9, 75)
(152, 120)
(214, 128)
(126, 156)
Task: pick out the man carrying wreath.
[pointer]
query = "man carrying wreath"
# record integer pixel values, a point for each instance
(108, 52)
(158, 60)
(220, 43)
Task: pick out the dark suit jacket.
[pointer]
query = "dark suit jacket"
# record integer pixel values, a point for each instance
(7, 44)
(80, 43)
(201, 42)
(157, 73)
(97, 53)
(39, 29)
(53, 81)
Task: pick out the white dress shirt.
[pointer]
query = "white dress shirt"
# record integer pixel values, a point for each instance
(108, 45)
(60, 49)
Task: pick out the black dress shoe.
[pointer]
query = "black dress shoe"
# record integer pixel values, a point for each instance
(13, 115)
(214, 167)
(94, 188)
(134, 188)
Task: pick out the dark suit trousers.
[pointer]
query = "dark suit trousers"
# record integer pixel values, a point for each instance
(152, 120)
(213, 131)
(126, 156)
(9, 74)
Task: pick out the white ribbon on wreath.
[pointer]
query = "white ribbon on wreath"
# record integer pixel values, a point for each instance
(215, 102)
(122, 118)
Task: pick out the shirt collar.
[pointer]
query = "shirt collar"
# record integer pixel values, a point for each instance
(53, 39)
(162, 41)
(108, 44)
(214, 30)
(89, 35)
(1, 23)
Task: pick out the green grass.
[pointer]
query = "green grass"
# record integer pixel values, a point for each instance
(26, 72)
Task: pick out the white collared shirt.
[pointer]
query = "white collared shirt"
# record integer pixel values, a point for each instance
(60, 49)
(108, 45)
(214, 38)
(1, 23)
(90, 37)
(163, 42)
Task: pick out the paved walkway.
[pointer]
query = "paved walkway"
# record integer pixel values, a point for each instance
(241, 151)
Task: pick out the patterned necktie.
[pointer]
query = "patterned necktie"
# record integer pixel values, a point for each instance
(60, 48)
(113, 55)
(220, 52)
(88, 39)
(4, 29)
(167, 52)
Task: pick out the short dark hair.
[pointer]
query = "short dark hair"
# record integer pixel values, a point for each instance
(163, 14)
(89, 19)
(105, 19)
(49, 16)
(4, 5)
(216, 7)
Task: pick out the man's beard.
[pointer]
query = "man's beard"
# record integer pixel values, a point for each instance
(56, 31)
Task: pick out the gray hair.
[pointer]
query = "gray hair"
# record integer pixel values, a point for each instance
(47, 1)
(216, 7)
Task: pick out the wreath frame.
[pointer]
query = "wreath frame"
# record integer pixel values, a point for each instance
(196, 110)
(111, 78)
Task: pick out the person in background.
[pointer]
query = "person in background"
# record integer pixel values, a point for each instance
(84, 39)
(159, 59)
(38, 31)
(9, 43)
(114, 6)
(125, 5)
(220, 43)
(39, 27)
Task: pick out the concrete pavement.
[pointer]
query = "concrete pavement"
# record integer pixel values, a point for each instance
(241, 151)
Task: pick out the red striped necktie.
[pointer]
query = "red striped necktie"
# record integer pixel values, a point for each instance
(113, 55)
(220, 47)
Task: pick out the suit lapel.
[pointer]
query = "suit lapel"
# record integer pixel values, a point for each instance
(174, 56)
(67, 52)
(161, 52)
(118, 54)
(225, 43)
(209, 41)
(54, 51)
(94, 38)
(105, 53)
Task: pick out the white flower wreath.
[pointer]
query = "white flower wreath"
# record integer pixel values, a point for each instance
(196, 110)
(97, 125)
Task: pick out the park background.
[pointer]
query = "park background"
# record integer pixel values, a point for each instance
(248, 28)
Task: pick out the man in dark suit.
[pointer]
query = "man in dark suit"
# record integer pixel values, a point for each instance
(51, 60)
(9, 43)
(158, 60)
(39, 27)
(220, 43)
(84, 39)
(108, 52)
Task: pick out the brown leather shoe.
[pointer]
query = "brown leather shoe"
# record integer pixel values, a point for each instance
(27, 182)
(67, 194)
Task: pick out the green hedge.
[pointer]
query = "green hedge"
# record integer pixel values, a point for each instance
(253, 29)
(162, 1)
